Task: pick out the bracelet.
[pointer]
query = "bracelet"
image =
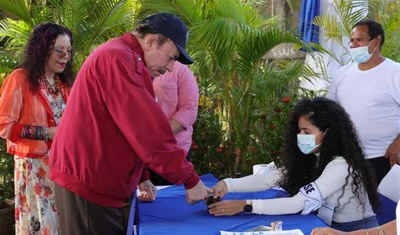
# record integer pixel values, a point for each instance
(35, 133)
(380, 231)
(366, 232)
(45, 135)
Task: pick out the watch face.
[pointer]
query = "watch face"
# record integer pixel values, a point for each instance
(248, 208)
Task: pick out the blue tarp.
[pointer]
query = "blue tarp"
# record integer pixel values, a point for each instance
(309, 32)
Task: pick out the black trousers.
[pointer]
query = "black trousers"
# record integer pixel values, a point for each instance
(79, 216)
(381, 166)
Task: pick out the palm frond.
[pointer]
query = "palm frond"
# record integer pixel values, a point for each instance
(14, 33)
(90, 19)
(257, 44)
(19, 8)
(341, 17)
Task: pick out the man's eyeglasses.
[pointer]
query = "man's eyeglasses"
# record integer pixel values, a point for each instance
(61, 53)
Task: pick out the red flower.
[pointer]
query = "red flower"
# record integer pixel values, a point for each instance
(286, 99)
(37, 188)
(16, 215)
(276, 153)
(22, 199)
(278, 110)
(252, 149)
(41, 173)
(195, 146)
(220, 149)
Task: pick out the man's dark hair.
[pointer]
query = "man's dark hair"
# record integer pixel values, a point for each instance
(144, 28)
(374, 29)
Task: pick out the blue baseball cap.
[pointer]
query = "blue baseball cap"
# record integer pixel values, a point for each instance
(172, 27)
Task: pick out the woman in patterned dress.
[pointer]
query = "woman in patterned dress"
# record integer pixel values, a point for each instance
(32, 101)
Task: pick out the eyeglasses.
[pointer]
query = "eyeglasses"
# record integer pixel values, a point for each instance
(61, 53)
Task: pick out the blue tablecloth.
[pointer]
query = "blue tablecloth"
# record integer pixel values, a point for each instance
(171, 214)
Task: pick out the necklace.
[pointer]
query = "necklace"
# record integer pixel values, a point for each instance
(52, 88)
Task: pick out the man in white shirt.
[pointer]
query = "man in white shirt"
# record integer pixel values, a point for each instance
(369, 90)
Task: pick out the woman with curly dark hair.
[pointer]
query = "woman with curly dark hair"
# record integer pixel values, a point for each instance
(32, 101)
(323, 169)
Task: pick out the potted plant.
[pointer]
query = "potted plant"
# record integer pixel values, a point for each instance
(6, 190)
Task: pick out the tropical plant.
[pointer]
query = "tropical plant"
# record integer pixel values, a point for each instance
(344, 14)
(6, 173)
(91, 22)
(388, 14)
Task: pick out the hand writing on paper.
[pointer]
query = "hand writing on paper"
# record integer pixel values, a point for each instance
(220, 189)
(197, 193)
(147, 191)
(326, 231)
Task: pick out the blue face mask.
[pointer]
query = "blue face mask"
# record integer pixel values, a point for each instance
(306, 143)
(361, 54)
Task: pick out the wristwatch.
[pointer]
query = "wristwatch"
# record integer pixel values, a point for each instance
(248, 208)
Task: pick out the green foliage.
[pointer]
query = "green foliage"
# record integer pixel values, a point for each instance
(388, 14)
(6, 173)
(92, 22)
(7, 64)
(228, 41)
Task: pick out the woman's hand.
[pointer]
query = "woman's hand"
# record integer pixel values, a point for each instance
(51, 131)
(226, 208)
(326, 231)
(220, 189)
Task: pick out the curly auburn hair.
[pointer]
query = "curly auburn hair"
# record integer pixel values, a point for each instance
(37, 52)
(340, 140)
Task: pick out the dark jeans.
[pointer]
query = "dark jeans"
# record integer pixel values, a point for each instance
(381, 166)
(80, 216)
(370, 222)
(156, 179)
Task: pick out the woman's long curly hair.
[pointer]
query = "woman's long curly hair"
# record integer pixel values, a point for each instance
(340, 140)
(37, 52)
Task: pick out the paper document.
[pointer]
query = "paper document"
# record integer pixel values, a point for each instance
(286, 232)
(387, 187)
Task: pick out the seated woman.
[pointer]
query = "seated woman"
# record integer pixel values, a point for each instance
(323, 169)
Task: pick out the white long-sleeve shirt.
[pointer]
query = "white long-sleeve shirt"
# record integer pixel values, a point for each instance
(330, 184)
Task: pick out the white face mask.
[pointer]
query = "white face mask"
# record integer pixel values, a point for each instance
(361, 54)
(306, 143)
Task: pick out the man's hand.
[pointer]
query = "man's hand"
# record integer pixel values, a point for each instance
(197, 193)
(393, 152)
(147, 191)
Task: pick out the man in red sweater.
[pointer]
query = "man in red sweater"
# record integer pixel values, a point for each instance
(113, 129)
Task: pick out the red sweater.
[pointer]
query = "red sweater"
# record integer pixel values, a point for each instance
(112, 128)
